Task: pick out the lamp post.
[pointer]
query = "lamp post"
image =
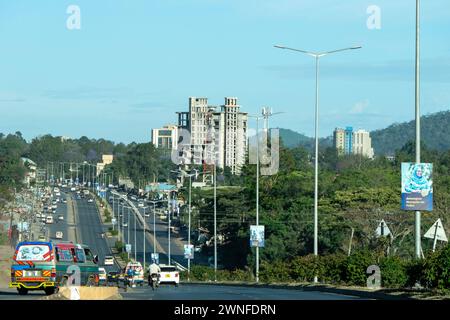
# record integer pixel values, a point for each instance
(265, 115)
(417, 109)
(317, 56)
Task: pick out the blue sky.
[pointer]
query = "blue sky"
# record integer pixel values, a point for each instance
(133, 64)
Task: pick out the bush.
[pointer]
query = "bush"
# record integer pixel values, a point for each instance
(436, 269)
(119, 245)
(305, 268)
(275, 272)
(414, 272)
(355, 267)
(333, 268)
(393, 272)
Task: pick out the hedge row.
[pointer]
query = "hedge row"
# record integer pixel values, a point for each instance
(431, 272)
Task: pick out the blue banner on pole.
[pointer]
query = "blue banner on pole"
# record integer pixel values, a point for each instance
(417, 186)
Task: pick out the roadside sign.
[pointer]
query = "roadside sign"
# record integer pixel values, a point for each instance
(382, 229)
(156, 257)
(257, 236)
(436, 230)
(417, 186)
(128, 248)
(189, 251)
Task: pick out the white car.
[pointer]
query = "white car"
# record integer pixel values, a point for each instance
(141, 204)
(125, 225)
(169, 274)
(90, 200)
(60, 218)
(49, 220)
(109, 261)
(102, 274)
(59, 235)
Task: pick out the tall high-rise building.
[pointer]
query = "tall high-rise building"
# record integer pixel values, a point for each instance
(222, 130)
(165, 137)
(338, 140)
(347, 141)
(362, 143)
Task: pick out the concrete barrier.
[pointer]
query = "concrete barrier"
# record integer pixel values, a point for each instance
(87, 293)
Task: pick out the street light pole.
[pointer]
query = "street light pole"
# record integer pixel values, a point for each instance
(417, 105)
(144, 239)
(257, 194)
(215, 220)
(168, 218)
(128, 227)
(135, 244)
(189, 225)
(316, 55)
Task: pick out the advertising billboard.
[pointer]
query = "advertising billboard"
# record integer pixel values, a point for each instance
(188, 251)
(257, 236)
(417, 186)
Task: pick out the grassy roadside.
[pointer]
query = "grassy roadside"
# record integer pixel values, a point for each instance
(6, 254)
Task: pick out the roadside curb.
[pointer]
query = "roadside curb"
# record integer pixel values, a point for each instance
(382, 294)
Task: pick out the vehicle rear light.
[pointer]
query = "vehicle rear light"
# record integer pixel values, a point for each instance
(53, 273)
(176, 275)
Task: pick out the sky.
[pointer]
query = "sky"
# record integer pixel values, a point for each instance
(131, 65)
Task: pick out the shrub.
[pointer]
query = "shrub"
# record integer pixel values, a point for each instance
(333, 268)
(436, 269)
(277, 271)
(305, 268)
(356, 265)
(120, 246)
(393, 272)
(414, 272)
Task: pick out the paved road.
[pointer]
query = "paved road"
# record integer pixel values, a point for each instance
(161, 227)
(216, 292)
(89, 230)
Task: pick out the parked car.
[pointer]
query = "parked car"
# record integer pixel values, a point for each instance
(109, 261)
(169, 274)
(113, 276)
(102, 277)
(49, 220)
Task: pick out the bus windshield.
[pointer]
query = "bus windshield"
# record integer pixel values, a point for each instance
(64, 255)
(33, 252)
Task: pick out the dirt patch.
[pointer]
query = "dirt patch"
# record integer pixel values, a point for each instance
(6, 254)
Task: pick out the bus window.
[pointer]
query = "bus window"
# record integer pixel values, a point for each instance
(79, 253)
(64, 255)
(89, 255)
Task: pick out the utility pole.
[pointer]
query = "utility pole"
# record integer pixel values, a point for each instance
(168, 218)
(417, 102)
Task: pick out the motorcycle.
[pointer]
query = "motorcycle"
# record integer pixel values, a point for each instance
(153, 280)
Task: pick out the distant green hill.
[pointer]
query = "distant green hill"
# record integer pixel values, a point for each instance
(293, 139)
(435, 134)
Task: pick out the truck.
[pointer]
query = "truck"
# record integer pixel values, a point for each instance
(138, 272)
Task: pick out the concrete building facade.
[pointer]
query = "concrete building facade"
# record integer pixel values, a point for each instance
(219, 131)
(362, 143)
(165, 137)
(347, 141)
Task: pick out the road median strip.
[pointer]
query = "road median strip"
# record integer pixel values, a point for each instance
(362, 292)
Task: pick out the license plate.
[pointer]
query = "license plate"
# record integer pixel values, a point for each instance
(33, 273)
(167, 275)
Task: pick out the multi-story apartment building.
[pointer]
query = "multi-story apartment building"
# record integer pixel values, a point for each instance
(362, 143)
(216, 132)
(347, 141)
(165, 137)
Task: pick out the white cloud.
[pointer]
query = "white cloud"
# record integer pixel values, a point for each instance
(359, 107)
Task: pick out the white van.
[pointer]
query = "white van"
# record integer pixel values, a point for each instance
(49, 219)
